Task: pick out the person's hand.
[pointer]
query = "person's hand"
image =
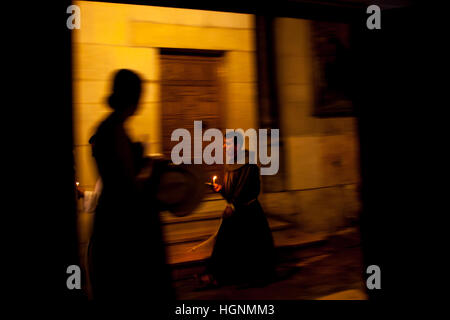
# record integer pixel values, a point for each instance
(227, 212)
(217, 187)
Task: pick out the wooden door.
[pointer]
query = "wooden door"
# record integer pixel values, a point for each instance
(191, 90)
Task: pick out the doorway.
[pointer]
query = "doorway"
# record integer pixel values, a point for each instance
(191, 90)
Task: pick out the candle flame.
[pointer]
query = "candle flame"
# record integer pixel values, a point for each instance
(77, 183)
(214, 179)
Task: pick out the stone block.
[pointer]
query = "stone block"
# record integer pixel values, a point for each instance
(304, 163)
(102, 23)
(241, 66)
(320, 209)
(292, 37)
(98, 62)
(175, 36)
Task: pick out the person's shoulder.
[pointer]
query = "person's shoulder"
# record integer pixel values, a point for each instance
(107, 127)
(105, 124)
(251, 167)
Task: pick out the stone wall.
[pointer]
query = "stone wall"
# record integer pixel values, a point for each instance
(320, 154)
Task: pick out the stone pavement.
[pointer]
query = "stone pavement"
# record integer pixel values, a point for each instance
(330, 270)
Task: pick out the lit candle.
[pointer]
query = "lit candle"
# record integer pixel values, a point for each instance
(214, 179)
(77, 183)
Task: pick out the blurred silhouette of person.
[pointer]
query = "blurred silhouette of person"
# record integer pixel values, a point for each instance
(243, 252)
(128, 258)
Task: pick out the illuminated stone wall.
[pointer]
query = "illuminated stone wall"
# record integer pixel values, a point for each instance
(321, 154)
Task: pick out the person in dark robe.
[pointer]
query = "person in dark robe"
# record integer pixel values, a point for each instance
(128, 258)
(243, 252)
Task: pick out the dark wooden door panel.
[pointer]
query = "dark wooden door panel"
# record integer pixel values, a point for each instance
(190, 92)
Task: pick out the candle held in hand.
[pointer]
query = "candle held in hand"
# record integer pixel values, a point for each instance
(214, 179)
